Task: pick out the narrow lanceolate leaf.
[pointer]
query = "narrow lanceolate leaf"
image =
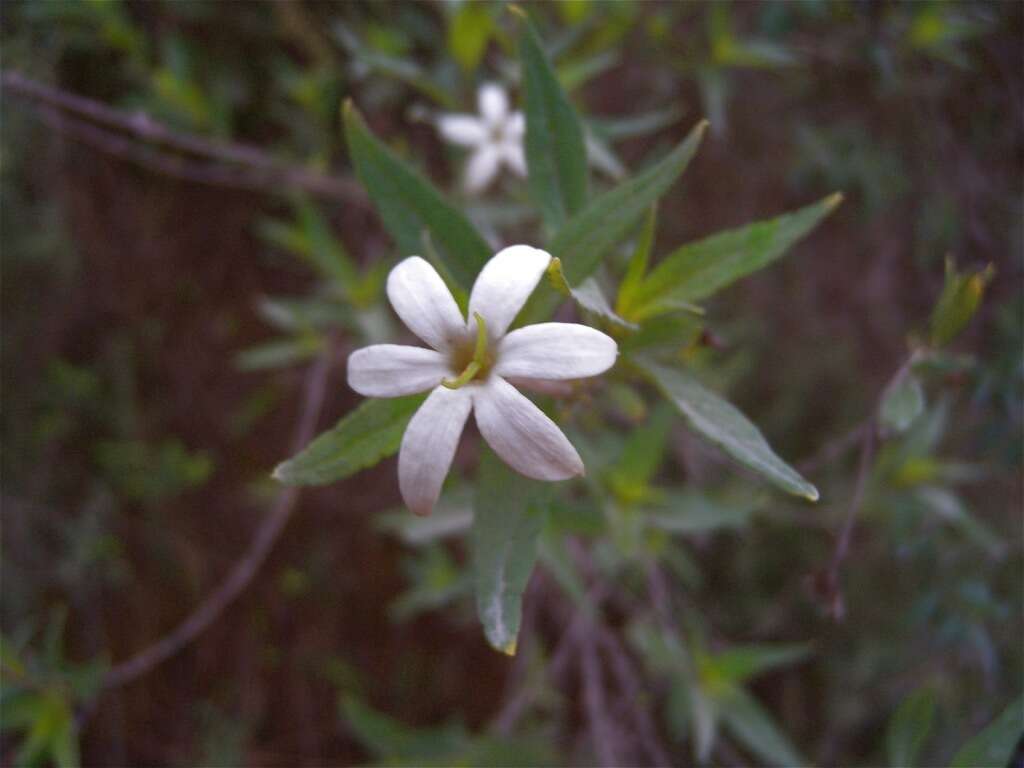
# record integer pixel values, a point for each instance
(638, 262)
(722, 424)
(996, 742)
(508, 519)
(909, 728)
(409, 204)
(746, 661)
(587, 295)
(752, 726)
(588, 236)
(697, 270)
(371, 432)
(556, 153)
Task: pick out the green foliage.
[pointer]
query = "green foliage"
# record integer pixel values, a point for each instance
(555, 150)
(409, 204)
(147, 473)
(752, 726)
(587, 295)
(41, 689)
(507, 522)
(960, 298)
(698, 270)
(394, 743)
(470, 29)
(369, 433)
(902, 402)
(642, 454)
(723, 425)
(994, 745)
(909, 728)
(638, 262)
(586, 237)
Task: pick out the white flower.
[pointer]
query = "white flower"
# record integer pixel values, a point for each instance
(496, 137)
(468, 368)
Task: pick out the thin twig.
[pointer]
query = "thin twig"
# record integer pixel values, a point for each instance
(568, 644)
(833, 449)
(628, 679)
(246, 568)
(831, 585)
(126, 135)
(600, 726)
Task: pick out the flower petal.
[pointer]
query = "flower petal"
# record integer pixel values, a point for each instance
(393, 370)
(504, 285)
(425, 304)
(512, 152)
(465, 130)
(555, 351)
(516, 126)
(482, 167)
(429, 444)
(493, 103)
(520, 433)
(541, 386)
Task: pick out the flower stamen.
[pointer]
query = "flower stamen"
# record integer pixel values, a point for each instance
(479, 361)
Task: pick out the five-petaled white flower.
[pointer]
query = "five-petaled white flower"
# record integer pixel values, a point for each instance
(469, 367)
(496, 137)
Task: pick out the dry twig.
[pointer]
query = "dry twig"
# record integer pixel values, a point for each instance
(139, 139)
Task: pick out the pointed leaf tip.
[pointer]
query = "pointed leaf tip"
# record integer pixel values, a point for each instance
(510, 648)
(833, 200)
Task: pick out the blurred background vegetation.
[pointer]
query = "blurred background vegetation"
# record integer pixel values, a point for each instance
(172, 265)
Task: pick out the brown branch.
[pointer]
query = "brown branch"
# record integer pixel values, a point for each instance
(125, 135)
(830, 578)
(245, 569)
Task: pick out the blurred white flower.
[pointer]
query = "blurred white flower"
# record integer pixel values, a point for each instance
(495, 137)
(468, 368)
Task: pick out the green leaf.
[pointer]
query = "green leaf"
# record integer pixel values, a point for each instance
(952, 509)
(368, 434)
(280, 353)
(468, 34)
(666, 335)
(699, 269)
(743, 662)
(995, 744)
(325, 251)
(633, 126)
(960, 298)
(587, 295)
(638, 262)
(409, 204)
(507, 523)
(722, 424)
(902, 403)
(751, 725)
(642, 454)
(556, 154)
(391, 740)
(909, 728)
(587, 237)
(697, 512)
